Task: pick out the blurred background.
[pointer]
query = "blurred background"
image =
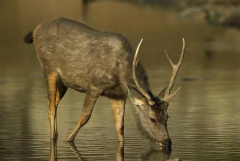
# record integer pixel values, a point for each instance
(204, 121)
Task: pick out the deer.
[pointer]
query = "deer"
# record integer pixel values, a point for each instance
(99, 63)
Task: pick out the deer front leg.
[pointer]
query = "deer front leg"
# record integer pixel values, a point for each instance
(118, 107)
(89, 102)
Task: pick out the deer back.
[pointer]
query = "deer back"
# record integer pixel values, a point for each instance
(85, 57)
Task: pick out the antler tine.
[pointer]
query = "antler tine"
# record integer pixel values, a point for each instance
(169, 58)
(175, 67)
(182, 54)
(135, 62)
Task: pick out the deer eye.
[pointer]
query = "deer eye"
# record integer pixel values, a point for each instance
(153, 120)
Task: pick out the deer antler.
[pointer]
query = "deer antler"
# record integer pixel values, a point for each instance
(135, 63)
(175, 67)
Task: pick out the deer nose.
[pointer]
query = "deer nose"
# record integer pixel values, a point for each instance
(166, 142)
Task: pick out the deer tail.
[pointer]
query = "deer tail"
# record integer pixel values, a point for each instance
(28, 39)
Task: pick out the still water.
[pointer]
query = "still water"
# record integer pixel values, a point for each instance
(204, 121)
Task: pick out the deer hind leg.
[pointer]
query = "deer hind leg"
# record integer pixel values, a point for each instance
(51, 81)
(118, 107)
(89, 102)
(61, 90)
(56, 91)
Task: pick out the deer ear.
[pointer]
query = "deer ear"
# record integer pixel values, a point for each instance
(162, 94)
(135, 96)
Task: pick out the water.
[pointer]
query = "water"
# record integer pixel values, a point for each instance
(204, 121)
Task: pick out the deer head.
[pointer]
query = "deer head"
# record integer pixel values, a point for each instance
(152, 111)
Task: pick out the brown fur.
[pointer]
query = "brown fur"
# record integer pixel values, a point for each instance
(118, 107)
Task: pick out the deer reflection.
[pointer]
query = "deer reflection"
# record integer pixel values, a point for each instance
(76, 152)
(53, 150)
(162, 154)
(118, 157)
(120, 152)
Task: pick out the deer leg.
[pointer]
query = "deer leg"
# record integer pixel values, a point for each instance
(118, 107)
(89, 102)
(61, 90)
(51, 82)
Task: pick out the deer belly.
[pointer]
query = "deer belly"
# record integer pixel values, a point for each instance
(74, 80)
(83, 81)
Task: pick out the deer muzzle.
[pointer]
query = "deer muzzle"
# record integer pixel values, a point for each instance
(166, 142)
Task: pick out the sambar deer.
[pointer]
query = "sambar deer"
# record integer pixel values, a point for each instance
(73, 55)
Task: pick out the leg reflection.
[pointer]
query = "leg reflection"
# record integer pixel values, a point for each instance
(53, 150)
(118, 157)
(120, 152)
(76, 152)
